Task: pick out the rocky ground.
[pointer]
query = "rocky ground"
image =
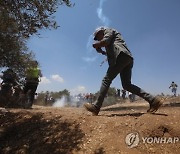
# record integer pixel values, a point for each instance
(48, 130)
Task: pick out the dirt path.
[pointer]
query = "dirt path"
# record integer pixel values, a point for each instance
(46, 130)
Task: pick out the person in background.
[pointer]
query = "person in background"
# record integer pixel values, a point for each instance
(33, 74)
(91, 97)
(131, 97)
(123, 93)
(118, 93)
(9, 76)
(173, 87)
(46, 98)
(120, 61)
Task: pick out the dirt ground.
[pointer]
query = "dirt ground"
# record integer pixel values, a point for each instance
(48, 130)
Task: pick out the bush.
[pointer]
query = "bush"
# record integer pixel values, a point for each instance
(110, 100)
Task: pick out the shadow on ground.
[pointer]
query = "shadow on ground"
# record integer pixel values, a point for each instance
(119, 108)
(134, 107)
(22, 133)
(135, 114)
(127, 114)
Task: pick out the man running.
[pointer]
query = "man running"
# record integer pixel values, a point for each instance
(120, 62)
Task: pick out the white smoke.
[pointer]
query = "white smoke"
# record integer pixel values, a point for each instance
(70, 101)
(60, 102)
(104, 20)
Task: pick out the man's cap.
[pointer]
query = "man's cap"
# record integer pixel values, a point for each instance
(96, 31)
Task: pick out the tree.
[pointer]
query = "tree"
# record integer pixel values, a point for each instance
(64, 92)
(30, 16)
(19, 19)
(15, 55)
(111, 91)
(54, 95)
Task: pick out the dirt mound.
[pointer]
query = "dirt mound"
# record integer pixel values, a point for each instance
(29, 132)
(73, 130)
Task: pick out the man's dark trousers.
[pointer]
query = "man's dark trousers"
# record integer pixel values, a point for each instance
(31, 85)
(123, 66)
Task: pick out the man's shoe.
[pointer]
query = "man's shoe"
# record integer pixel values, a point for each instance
(155, 105)
(91, 108)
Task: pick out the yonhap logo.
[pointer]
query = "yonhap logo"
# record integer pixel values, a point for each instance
(132, 140)
(160, 140)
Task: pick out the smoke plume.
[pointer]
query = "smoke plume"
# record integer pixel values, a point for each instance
(104, 20)
(70, 101)
(60, 102)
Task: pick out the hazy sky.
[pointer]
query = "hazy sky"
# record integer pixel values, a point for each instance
(151, 29)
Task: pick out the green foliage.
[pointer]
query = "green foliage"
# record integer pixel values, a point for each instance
(13, 54)
(59, 94)
(110, 100)
(54, 95)
(18, 21)
(30, 16)
(111, 91)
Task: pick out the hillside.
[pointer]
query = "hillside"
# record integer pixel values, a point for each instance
(48, 130)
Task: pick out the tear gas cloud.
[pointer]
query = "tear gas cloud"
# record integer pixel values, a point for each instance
(72, 101)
